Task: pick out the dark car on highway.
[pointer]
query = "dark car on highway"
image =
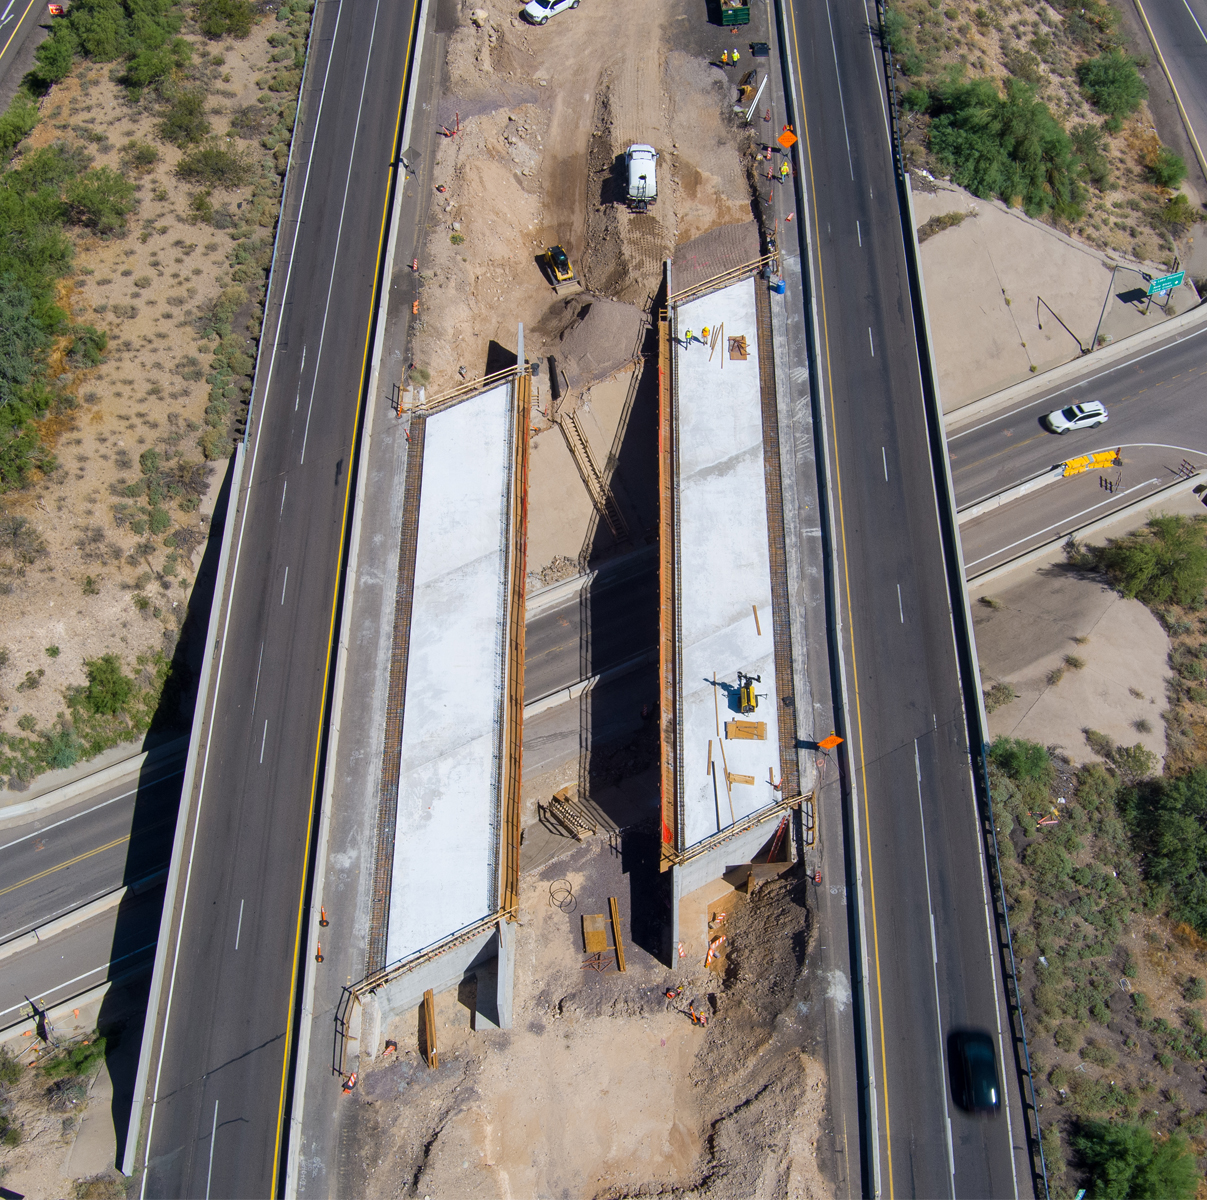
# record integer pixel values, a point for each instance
(973, 1065)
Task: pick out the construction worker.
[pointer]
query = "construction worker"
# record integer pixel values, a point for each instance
(736, 56)
(724, 58)
(688, 338)
(785, 171)
(704, 335)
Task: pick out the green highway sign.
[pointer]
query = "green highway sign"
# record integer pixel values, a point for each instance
(1166, 283)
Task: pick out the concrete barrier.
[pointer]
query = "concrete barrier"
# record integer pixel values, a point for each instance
(1019, 490)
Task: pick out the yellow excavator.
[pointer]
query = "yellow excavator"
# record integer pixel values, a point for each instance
(561, 272)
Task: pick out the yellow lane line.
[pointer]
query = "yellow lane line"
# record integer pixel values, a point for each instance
(17, 27)
(297, 940)
(862, 770)
(12, 887)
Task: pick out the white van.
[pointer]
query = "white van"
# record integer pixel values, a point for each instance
(640, 172)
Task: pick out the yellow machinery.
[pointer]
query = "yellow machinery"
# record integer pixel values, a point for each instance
(747, 700)
(561, 272)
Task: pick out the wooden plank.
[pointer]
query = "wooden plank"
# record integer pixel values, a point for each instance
(748, 731)
(708, 769)
(747, 779)
(429, 1028)
(757, 627)
(616, 932)
(595, 933)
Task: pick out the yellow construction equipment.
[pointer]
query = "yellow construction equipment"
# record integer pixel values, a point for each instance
(747, 700)
(561, 272)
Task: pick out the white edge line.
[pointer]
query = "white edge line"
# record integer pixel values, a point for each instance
(161, 953)
(297, 1106)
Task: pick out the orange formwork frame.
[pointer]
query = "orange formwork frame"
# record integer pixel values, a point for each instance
(667, 591)
(513, 736)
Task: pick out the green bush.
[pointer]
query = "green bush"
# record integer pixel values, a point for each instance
(185, 121)
(1113, 85)
(1168, 820)
(1195, 988)
(1167, 169)
(916, 99)
(1125, 1162)
(1022, 760)
(1009, 146)
(79, 1060)
(1179, 214)
(1089, 142)
(17, 122)
(88, 345)
(225, 18)
(1165, 564)
(139, 156)
(108, 689)
(217, 166)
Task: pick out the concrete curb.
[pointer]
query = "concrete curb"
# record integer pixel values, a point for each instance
(1015, 493)
(27, 1027)
(306, 1019)
(557, 594)
(1176, 329)
(103, 778)
(565, 695)
(77, 916)
(1153, 501)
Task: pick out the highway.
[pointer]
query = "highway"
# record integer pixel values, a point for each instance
(231, 944)
(18, 21)
(612, 620)
(932, 962)
(1180, 30)
(109, 945)
(1155, 405)
(59, 862)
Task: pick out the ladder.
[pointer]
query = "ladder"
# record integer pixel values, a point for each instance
(597, 487)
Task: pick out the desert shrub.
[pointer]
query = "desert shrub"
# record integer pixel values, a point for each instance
(1168, 820)
(1009, 146)
(100, 200)
(79, 1060)
(1022, 760)
(1166, 563)
(999, 694)
(225, 18)
(88, 345)
(10, 1069)
(108, 690)
(216, 165)
(916, 99)
(1112, 85)
(1166, 169)
(1195, 988)
(139, 156)
(18, 121)
(184, 122)
(1124, 1160)
(1178, 215)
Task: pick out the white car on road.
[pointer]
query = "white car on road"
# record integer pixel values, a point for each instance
(1076, 416)
(539, 11)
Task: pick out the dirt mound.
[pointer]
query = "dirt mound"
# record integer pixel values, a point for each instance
(602, 338)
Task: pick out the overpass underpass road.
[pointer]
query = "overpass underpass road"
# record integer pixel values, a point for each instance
(1155, 403)
(214, 1124)
(932, 961)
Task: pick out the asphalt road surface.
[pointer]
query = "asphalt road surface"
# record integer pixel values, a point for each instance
(1155, 404)
(1153, 401)
(18, 21)
(59, 862)
(1180, 29)
(932, 963)
(110, 945)
(225, 1018)
(614, 619)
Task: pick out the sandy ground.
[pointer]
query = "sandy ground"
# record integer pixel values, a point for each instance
(604, 1087)
(1041, 616)
(985, 278)
(146, 289)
